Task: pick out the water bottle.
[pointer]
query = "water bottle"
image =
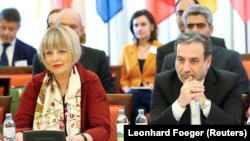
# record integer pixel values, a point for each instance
(120, 122)
(9, 128)
(248, 121)
(141, 118)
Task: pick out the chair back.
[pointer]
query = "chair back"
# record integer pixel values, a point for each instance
(116, 102)
(5, 102)
(20, 76)
(4, 85)
(116, 73)
(244, 108)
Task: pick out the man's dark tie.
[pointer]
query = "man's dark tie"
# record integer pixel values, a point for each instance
(4, 59)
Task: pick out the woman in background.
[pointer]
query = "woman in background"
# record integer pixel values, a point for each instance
(138, 61)
(64, 82)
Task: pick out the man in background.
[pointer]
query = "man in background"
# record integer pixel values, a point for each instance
(181, 6)
(13, 51)
(92, 59)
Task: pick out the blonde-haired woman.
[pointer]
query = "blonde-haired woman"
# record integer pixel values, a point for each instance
(64, 82)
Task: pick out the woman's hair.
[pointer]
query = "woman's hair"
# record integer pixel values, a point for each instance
(153, 35)
(50, 13)
(61, 37)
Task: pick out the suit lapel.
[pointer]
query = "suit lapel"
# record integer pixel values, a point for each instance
(134, 58)
(215, 55)
(84, 56)
(209, 84)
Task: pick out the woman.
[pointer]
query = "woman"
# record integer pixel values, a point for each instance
(64, 82)
(138, 61)
(52, 17)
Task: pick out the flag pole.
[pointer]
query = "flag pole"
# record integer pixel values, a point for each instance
(109, 41)
(246, 38)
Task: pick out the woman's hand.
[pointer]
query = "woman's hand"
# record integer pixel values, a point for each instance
(75, 138)
(19, 136)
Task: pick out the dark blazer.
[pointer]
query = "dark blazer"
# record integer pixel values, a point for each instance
(221, 87)
(92, 59)
(169, 48)
(23, 51)
(223, 59)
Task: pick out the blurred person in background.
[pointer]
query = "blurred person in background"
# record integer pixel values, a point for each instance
(13, 51)
(138, 61)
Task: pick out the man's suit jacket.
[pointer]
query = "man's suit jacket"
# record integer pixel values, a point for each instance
(23, 51)
(223, 59)
(169, 48)
(221, 87)
(91, 59)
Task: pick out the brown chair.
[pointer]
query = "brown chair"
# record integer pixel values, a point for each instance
(116, 73)
(5, 101)
(116, 102)
(4, 85)
(20, 76)
(244, 108)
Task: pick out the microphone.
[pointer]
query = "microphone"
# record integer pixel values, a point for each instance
(68, 120)
(197, 104)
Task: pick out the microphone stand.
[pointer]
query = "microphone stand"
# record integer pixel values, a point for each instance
(197, 104)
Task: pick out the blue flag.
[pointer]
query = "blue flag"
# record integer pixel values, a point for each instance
(107, 9)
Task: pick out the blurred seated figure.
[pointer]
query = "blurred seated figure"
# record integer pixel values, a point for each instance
(138, 61)
(13, 51)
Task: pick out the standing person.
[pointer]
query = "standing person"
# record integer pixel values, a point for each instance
(138, 61)
(92, 59)
(13, 51)
(192, 79)
(64, 82)
(181, 6)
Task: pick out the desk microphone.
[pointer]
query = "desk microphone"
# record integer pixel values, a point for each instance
(68, 120)
(197, 105)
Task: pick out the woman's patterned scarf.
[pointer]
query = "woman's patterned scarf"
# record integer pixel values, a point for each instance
(50, 113)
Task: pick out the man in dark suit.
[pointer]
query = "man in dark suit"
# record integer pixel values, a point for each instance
(181, 6)
(192, 85)
(198, 15)
(14, 52)
(92, 59)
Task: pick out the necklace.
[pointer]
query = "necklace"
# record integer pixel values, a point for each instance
(142, 52)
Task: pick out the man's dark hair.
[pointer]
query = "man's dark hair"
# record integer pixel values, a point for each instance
(10, 15)
(195, 1)
(193, 36)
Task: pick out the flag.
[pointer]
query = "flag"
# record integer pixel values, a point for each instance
(107, 9)
(160, 9)
(210, 4)
(243, 8)
(62, 3)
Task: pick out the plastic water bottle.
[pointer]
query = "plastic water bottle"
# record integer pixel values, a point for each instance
(248, 121)
(141, 118)
(120, 122)
(9, 128)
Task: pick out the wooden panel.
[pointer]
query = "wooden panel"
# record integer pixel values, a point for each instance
(16, 70)
(116, 73)
(245, 56)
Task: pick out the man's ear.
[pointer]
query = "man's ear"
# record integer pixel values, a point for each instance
(209, 60)
(82, 30)
(211, 27)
